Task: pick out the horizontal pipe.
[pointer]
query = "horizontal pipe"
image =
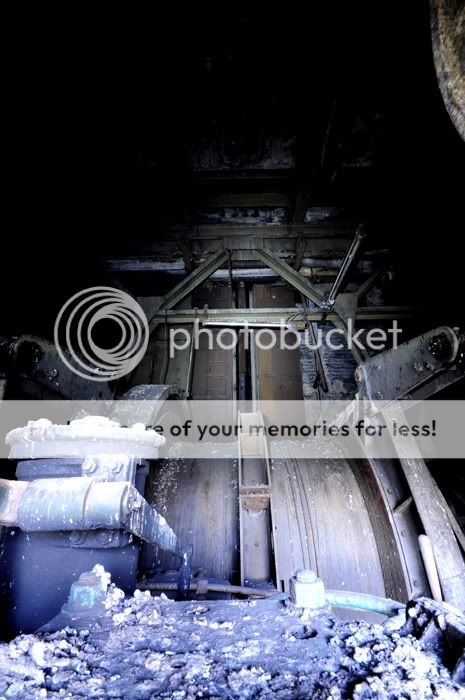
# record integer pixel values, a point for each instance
(346, 599)
(431, 569)
(250, 324)
(212, 588)
(367, 313)
(364, 601)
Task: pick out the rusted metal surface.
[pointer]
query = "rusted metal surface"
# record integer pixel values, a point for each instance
(213, 369)
(255, 503)
(448, 36)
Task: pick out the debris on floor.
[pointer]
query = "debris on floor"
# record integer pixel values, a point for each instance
(147, 647)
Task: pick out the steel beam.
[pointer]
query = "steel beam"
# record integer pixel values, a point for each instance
(326, 253)
(343, 229)
(299, 253)
(291, 276)
(369, 283)
(199, 275)
(290, 314)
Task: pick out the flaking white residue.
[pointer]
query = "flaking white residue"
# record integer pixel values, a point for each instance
(146, 647)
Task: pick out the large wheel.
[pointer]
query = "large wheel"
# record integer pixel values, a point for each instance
(448, 35)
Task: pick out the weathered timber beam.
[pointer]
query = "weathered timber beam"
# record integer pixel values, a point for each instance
(219, 231)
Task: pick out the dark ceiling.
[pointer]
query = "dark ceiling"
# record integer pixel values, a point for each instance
(123, 129)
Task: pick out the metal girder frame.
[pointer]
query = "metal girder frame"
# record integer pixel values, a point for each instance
(178, 293)
(199, 275)
(299, 253)
(369, 283)
(300, 283)
(291, 276)
(290, 314)
(219, 231)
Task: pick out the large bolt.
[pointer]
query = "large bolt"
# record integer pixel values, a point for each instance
(440, 347)
(104, 537)
(306, 576)
(307, 590)
(131, 501)
(88, 466)
(76, 537)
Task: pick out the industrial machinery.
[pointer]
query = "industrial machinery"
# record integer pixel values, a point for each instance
(256, 192)
(98, 491)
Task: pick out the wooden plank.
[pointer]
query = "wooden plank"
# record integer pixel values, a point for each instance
(199, 500)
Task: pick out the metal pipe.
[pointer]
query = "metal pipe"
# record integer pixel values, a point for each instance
(431, 569)
(364, 601)
(291, 313)
(346, 265)
(249, 324)
(190, 366)
(346, 599)
(213, 588)
(343, 599)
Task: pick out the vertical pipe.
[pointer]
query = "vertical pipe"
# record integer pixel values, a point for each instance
(430, 567)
